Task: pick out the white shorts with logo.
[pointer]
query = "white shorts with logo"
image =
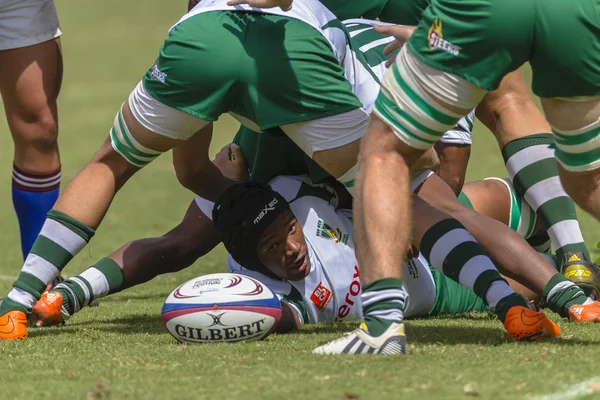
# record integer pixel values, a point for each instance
(27, 22)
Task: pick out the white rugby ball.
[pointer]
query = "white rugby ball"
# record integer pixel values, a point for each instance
(221, 308)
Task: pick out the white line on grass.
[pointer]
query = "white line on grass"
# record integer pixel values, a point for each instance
(575, 391)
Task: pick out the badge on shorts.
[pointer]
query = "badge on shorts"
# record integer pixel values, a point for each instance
(157, 74)
(437, 41)
(321, 296)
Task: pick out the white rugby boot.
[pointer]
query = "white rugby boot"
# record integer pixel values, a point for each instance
(359, 341)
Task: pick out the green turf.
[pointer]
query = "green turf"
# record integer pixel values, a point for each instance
(120, 350)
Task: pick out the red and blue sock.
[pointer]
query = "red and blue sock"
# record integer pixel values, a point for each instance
(33, 196)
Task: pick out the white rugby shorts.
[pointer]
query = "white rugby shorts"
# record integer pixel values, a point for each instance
(27, 22)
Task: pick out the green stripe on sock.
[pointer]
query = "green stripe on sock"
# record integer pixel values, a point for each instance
(89, 288)
(556, 210)
(11, 305)
(484, 281)
(51, 252)
(514, 146)
(383, 305)
(573, 248)
(383, 284)
(534, 173)
(112, 272)
(434, 234)
(561, 302)
(507, 303)
(31, 284)
(67, 300)
(81, 229)
(458, 257)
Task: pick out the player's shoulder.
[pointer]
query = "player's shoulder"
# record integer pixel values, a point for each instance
(288, 186)
(294, 188)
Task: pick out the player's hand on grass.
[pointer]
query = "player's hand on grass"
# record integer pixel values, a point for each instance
(285, 5)
(400, 32)
(232, 164)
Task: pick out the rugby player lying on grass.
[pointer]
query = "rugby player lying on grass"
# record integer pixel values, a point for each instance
(144, 259)
(302, 248)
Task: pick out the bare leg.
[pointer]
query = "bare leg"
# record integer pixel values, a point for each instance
(144, 259)
(581, 183)
(509, 111)
(514, 257)
(382, 213)
(30, 80)
(453, 164)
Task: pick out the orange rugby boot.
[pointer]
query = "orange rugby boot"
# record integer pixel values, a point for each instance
(586, 312)
(48, 311)
(524, 324)
(13, 325)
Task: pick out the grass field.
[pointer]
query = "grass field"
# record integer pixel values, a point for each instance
(121, 351)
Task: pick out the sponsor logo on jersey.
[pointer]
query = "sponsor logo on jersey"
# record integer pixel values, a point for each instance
(157, 74)
(437, 41)
(265, 210)
(321, 296)
(327, 232)
(351, 295)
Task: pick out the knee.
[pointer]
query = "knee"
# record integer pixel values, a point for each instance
(583, 188)
(39, 131)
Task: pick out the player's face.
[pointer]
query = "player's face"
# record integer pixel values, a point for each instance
(282, 248)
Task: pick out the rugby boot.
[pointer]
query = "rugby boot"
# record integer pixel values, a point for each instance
(48, 311)
(13, 325)
(359, 341)
(586, 312)
(526, 325)
(582, 272)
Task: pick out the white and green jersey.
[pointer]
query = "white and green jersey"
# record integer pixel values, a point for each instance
(331, 291)
(311, 12)
(365, 68)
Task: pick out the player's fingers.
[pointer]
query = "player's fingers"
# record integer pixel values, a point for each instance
(390, 61)
(391, 47)
(384, 29)
(236, 153)
(236, 2)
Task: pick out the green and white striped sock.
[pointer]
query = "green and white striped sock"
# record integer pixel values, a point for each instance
(531, 165)
(103, 278)
(60, 239)
(382, 304)
(452, 250)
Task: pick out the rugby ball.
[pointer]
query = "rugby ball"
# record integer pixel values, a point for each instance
(221, 308)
